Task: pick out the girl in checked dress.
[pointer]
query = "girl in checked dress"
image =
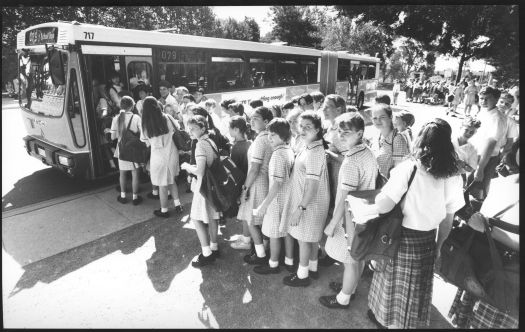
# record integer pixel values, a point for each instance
(306, 208)
(255, 187)
(271, 208)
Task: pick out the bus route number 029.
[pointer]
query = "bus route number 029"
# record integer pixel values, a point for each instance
(168, 55)
(89, 35)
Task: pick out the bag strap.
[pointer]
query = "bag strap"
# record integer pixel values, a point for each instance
(497, 265)
(409, 182)
(173, 123)
(495, 221)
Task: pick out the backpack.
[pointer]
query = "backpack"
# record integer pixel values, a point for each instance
(222, 182)
(131, 148)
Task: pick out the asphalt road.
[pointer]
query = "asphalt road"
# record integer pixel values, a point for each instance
(141, 276)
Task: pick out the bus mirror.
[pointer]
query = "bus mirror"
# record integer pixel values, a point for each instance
(56, 67)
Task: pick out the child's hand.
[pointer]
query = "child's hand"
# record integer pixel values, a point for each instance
(260, 211)
(329, 230)
(185, 166)
(295, 218)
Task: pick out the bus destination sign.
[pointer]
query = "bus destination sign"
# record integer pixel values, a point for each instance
(42, 36)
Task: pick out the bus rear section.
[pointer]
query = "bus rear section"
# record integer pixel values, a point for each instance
(51, 107)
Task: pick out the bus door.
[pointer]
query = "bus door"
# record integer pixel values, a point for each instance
(99, 64)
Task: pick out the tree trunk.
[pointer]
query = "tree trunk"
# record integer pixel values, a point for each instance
(460, 68)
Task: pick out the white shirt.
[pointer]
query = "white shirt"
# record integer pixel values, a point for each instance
(428, 200)
(493, 125)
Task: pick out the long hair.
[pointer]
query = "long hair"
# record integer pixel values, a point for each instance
(153, 120)
(126, 103)
(199, 110)
(434, 148)
(316, 121)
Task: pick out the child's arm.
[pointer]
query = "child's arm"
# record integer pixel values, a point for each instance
(339, 211)
(272, 193)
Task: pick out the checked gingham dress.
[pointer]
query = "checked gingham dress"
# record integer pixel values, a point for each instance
(280, 169)
(390, 149)
(310, 163)
(358, 172)
(259, 152)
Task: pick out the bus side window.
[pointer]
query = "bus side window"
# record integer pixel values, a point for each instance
(74, 111)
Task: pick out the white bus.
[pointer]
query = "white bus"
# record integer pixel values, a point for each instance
(60, 61)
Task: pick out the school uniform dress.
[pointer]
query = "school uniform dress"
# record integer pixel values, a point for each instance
(393, 147)
(358, 172)
(310, 163)
(280, 169)
(470, 95)
(135, 127)
(200, 208)
(400, 297)
(334, 165)
(164, 160)
(260, 152)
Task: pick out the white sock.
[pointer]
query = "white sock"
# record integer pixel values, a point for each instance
(206, 251)
(246, 239)
(135, 196)
(155, 192)
(302, 272)
(163, 210)
(288, 261)
(259, 249)
(273, 264)
(312, 265)
(123, 194)
(176, 202)
(214, 246)
(343, 298)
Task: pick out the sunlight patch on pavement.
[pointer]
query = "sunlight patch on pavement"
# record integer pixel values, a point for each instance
(247, 297)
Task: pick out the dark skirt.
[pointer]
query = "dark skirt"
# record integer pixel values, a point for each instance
(401, 296)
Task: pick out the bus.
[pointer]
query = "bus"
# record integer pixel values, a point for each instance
(61, 62)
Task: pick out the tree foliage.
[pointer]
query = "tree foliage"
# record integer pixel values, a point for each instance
(464, 31)
(292, 25)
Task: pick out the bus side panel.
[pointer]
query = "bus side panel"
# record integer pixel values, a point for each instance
(313, 87)
(269, 96)
(293, 91)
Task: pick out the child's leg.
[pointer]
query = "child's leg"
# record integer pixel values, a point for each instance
(135, 182)
(202, 234)
(245, 230)
(305, 249)
(288, 247)
(163, 194)
(122, 180)
(174, 193)
(213, 229)
(256, 234)
(351, 277)
(275, 249)
(314, 256)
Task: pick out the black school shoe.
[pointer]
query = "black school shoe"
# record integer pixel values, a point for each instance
(179, 209)
(294, 281)
(216, 253)
(158, 213)
(326, 261)
(122, 200)
(202, 260)
(330, 301)
(372, 317)
(253, 259)
(137, 200)
(266, 269)
(153, 196)
(337, 286)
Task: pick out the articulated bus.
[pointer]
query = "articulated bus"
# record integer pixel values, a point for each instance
(61, 61)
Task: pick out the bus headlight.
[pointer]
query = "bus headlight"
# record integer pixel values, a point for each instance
(65, 161)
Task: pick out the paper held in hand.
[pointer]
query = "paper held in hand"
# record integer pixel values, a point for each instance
(362, 209)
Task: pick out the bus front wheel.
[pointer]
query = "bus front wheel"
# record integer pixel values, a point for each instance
(360, 100)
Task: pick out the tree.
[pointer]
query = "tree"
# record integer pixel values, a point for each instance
(241, 30)
(459, 30)
(292, 25)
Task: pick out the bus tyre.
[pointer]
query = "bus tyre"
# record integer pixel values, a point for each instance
(360, 100)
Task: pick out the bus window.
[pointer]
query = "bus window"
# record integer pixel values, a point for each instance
(343, 69)
(261, 72)
(74, 111)
(371, 71)
(183, 67)
(225, 73)
(36, 82)
(293, 72)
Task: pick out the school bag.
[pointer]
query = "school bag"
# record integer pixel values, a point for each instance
(131, 148)
(181, 138)
(222, 182)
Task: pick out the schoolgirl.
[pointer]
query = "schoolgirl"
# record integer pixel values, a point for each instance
(306, 209)
(297, 140)
(271, 208)
(358, 172)
(202, 214)
(255, 187)
(126, 119)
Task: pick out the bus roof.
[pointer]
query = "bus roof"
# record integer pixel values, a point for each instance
(73, 32)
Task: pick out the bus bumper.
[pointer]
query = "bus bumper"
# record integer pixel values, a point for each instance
(74, 165)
